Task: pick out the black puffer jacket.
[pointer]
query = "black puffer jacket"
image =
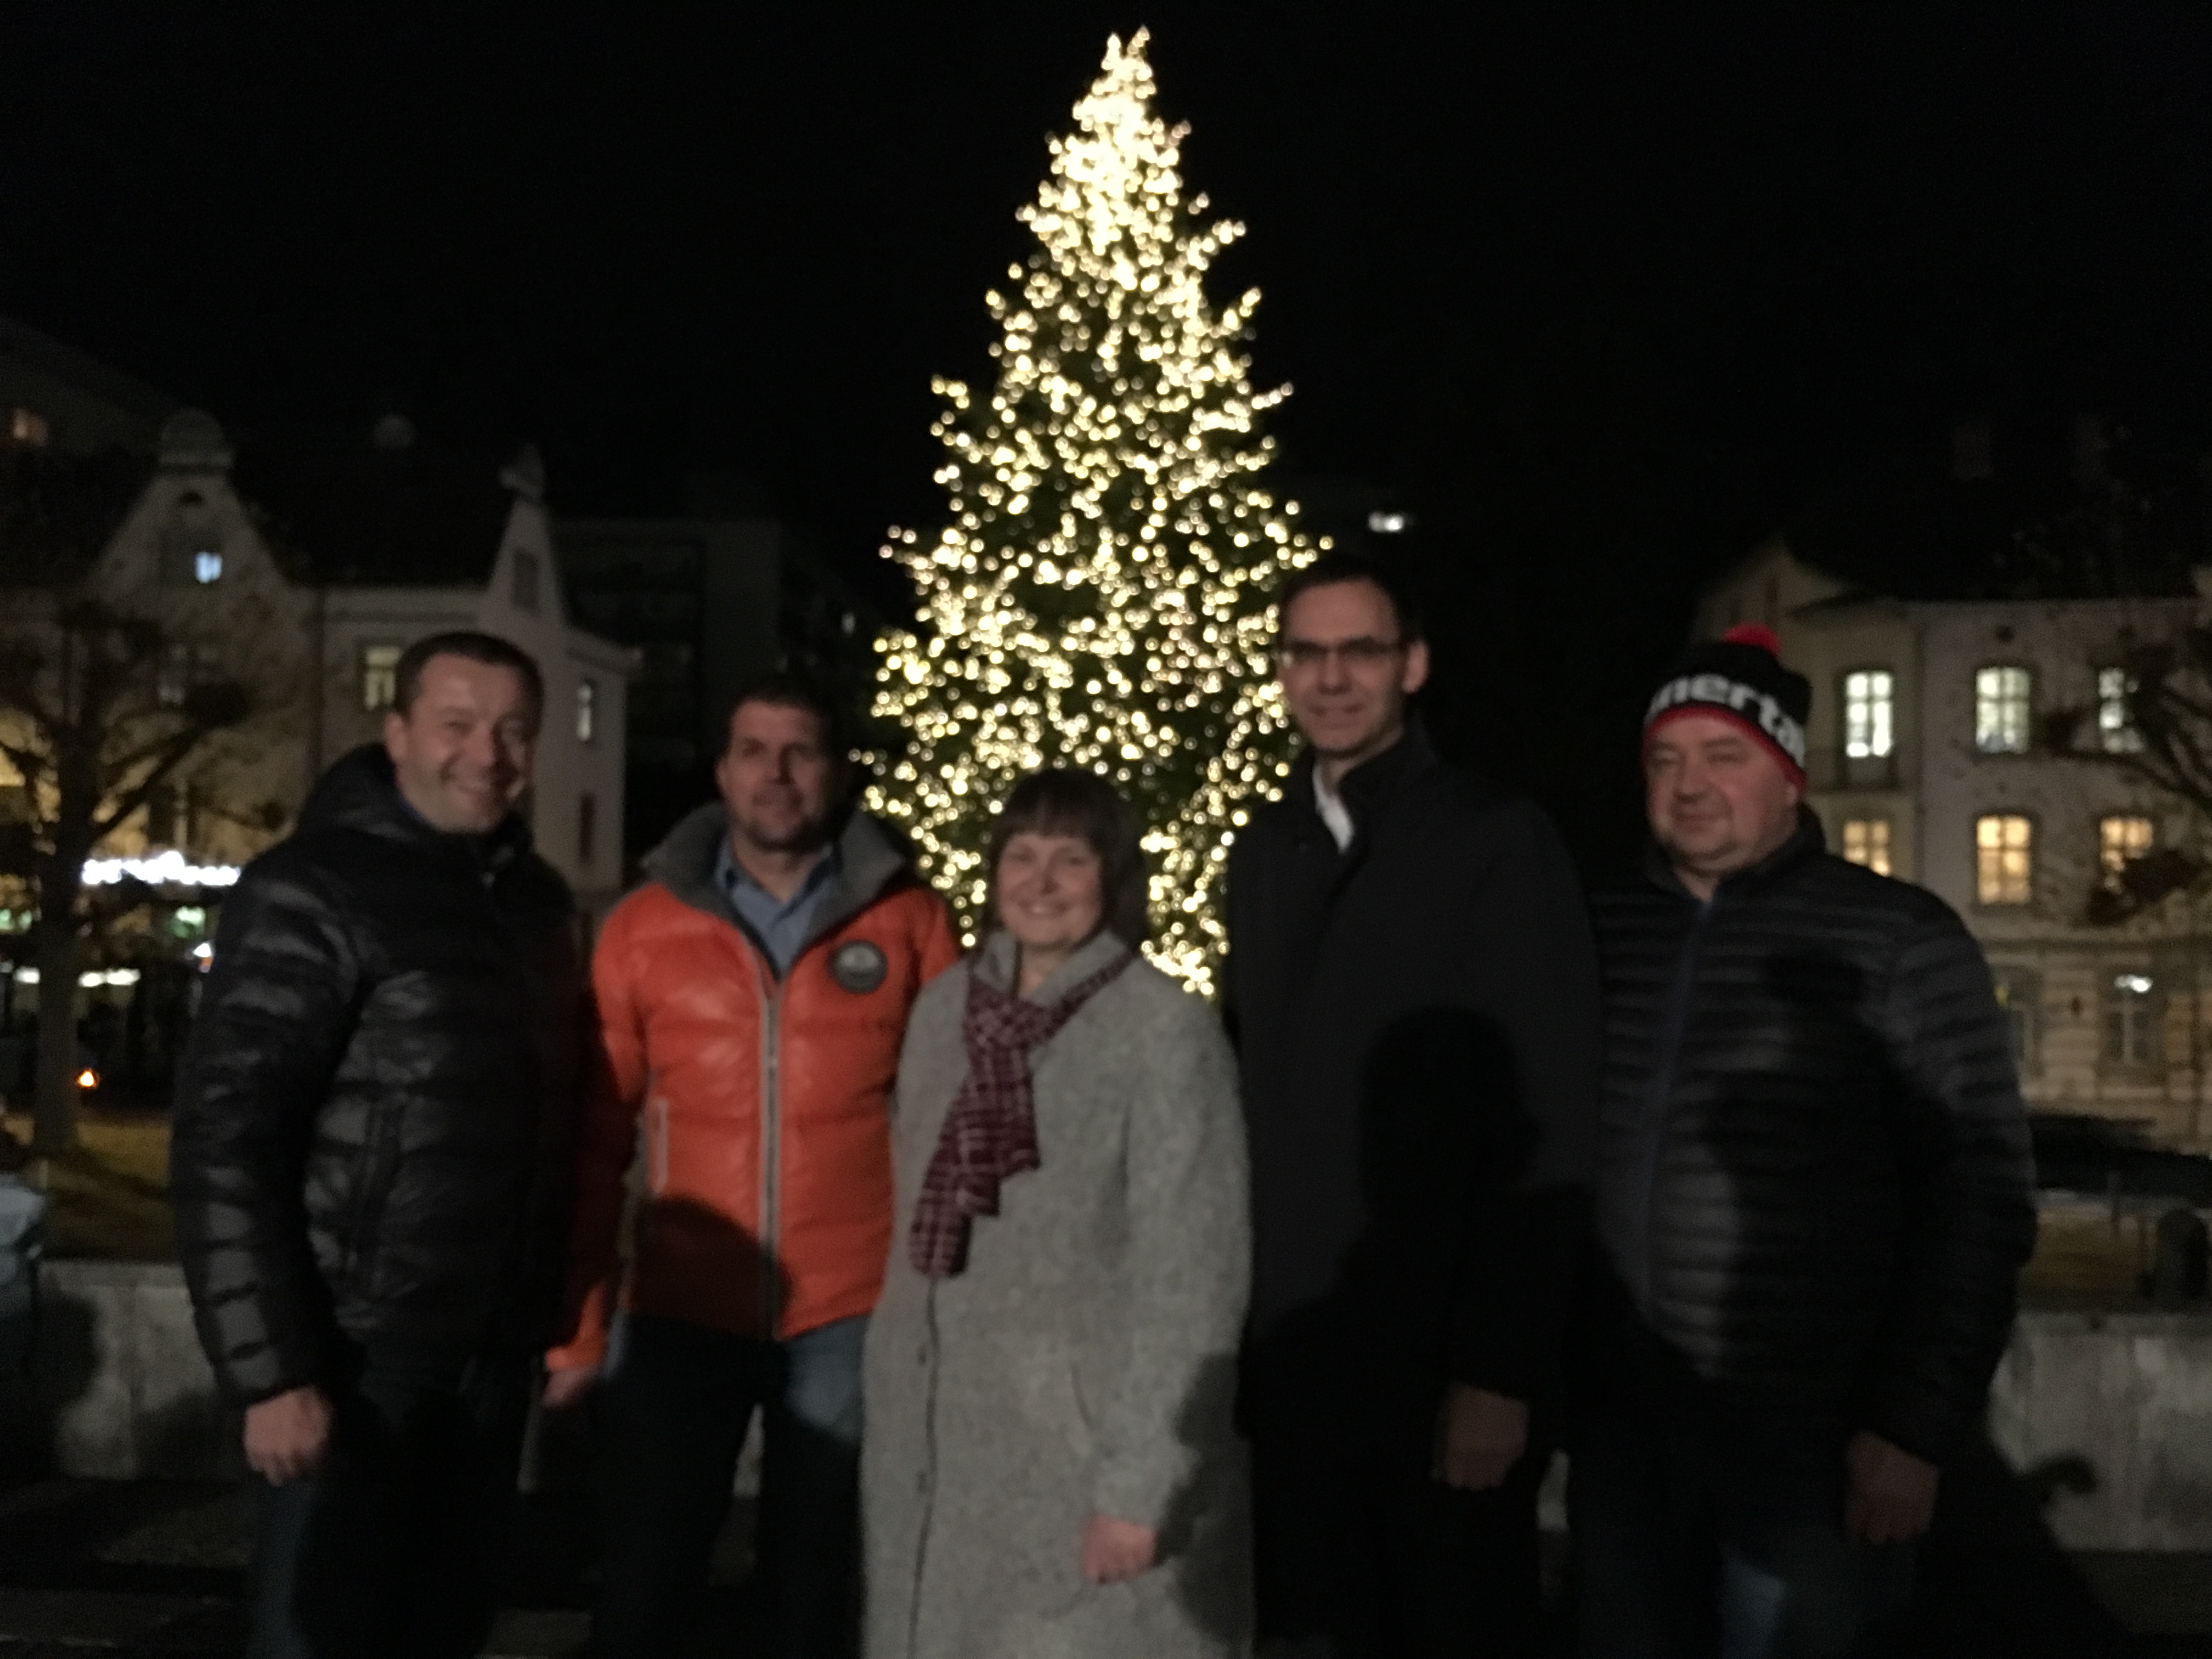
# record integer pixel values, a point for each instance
(1814, 1184)
(373, 1120)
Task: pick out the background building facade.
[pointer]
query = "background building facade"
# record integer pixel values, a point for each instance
(1930, 759)
(707, 600)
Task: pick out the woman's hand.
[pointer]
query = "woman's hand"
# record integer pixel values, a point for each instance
(1114, 1552)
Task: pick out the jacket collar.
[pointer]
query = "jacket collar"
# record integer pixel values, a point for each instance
(994, 960)
(1806, 842)
(871, 857)
(360, 792)
(1370, 788)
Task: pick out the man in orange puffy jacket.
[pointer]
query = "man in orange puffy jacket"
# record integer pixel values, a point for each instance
(753, 995)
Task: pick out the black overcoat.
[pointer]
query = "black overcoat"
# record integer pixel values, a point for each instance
(1417, 1026)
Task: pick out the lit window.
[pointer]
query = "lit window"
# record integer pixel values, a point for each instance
(587, 711)
(2000, 710)
(2131, 1020)
(169, 815)
(2116, 727)
(1869, 724)
(182, 666)
(525, 580)
(587, 826)
(2020, 996)
(380, 677)
(174, 676)
(2120, 841)
(2004, 859)
(191, 547)
(1866, 841)
(29, 427)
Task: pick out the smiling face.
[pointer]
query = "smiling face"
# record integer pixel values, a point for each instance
(461, 753)
(777, 777)
(1718, 799)
(1048, 891)
(1346, 670)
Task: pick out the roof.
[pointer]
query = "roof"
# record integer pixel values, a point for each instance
(59, 512)
(2134, 528)
(144, 405)
(354, 512)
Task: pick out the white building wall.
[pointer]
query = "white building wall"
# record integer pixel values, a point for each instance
(301, 651)
(522, 602)
(1941, 783)
(353, 620)
(2072, 964)
(247, 623)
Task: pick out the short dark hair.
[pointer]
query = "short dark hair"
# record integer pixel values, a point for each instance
(1082, 804)
(1342, 565)
(779, 688)
(487, 649)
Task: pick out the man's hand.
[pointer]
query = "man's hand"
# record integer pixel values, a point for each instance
(1892, 1493)
(1481, 1435)
(1114, 1552)
(287, 1434)
(567, 1387)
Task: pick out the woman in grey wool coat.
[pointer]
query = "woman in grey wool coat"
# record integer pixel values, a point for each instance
(1050, 1470)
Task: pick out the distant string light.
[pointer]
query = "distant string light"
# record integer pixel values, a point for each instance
(1098, 595)
(92, 979)
(169, 869)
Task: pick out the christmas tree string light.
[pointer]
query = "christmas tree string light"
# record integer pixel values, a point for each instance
(1098, 595)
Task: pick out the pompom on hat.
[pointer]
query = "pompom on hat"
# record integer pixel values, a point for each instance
(1740, 678)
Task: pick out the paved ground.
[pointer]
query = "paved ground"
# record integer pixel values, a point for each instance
(149, 1568)
(101, 1570)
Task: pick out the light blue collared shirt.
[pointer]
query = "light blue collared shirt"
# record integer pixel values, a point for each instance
(780, 925)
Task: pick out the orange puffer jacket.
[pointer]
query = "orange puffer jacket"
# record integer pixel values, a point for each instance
(765, 1105)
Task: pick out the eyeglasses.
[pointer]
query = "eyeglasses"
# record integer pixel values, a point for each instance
(1365, 652)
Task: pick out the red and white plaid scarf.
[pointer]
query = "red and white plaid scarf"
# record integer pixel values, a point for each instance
(990, 1133)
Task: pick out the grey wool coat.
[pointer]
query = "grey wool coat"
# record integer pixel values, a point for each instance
(1083, 1361)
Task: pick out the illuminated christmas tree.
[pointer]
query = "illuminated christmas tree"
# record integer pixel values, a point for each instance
(1098, 595)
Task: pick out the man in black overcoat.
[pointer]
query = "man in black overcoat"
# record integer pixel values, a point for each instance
(1414, 995)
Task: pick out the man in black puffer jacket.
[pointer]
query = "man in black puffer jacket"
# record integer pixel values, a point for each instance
(1814, 1197)
(371, 1162)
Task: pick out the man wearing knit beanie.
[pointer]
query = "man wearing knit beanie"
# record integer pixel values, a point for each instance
(1813, 1197)
(1731, 704)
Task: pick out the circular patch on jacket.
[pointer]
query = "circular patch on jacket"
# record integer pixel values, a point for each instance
(858, 965)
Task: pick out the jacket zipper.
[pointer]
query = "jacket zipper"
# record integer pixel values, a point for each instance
(656, 1144)
(771, 1134)
(1657, 1101)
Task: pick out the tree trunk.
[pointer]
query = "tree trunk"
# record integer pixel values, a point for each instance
(54, 1115)
(61, 951)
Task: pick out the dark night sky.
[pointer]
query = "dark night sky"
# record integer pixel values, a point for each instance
(1608, 294)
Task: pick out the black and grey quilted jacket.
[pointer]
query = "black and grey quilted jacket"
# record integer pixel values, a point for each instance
(1815, 1185)
(373, 1119)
